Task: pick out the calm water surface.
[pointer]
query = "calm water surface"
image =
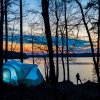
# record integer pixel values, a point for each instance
(82, 65)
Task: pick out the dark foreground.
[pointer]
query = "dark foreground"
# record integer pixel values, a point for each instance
(62, 91)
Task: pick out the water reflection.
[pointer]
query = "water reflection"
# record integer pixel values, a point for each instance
(81, 65)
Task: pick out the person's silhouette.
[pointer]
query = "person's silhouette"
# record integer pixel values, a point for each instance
(78, 78)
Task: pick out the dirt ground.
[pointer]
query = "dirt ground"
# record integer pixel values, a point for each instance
(62, 91)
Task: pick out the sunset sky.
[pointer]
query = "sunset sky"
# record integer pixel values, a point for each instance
(32, 18)
(29, 18)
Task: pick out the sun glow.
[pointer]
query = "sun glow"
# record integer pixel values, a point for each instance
(37, 48)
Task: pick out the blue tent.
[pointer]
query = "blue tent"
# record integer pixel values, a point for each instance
(16, 73)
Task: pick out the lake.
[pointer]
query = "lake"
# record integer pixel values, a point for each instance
(82, 65)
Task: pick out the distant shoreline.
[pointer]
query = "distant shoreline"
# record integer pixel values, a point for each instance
(16, 55)
(59, 55)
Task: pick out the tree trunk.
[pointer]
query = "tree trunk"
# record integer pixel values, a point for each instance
(98, 45)
(32, 44)
(45, 14)
(12, 46)
(32, 49)
(63, 57)
(21, 32)
(90, 40)
(66, 42)
(46, 70)
(6, 32)
(57, 21)
(1, 44)
(12, 40)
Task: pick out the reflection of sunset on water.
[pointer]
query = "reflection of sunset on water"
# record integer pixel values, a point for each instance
(81, 65)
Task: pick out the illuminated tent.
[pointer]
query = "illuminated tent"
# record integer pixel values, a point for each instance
(16, 73)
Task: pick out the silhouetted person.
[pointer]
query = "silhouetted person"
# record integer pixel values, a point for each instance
(78, 78)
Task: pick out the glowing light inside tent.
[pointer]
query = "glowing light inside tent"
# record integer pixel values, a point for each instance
(16, 73)
(6, 76)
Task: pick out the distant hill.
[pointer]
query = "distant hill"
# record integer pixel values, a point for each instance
(42, 40)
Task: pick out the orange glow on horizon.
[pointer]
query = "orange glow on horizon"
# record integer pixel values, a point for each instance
(37, 48)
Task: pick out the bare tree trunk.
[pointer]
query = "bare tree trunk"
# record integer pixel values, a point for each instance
(63, 56)
(46, 70)
(57, 21)
(1, 44)
(32, 49)
(66, 42)
(98, 45)
(21, 32)
(45, 13)
(12, 40)
(6, 32)
(12, 46)
(90, 40)
(32, 44)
